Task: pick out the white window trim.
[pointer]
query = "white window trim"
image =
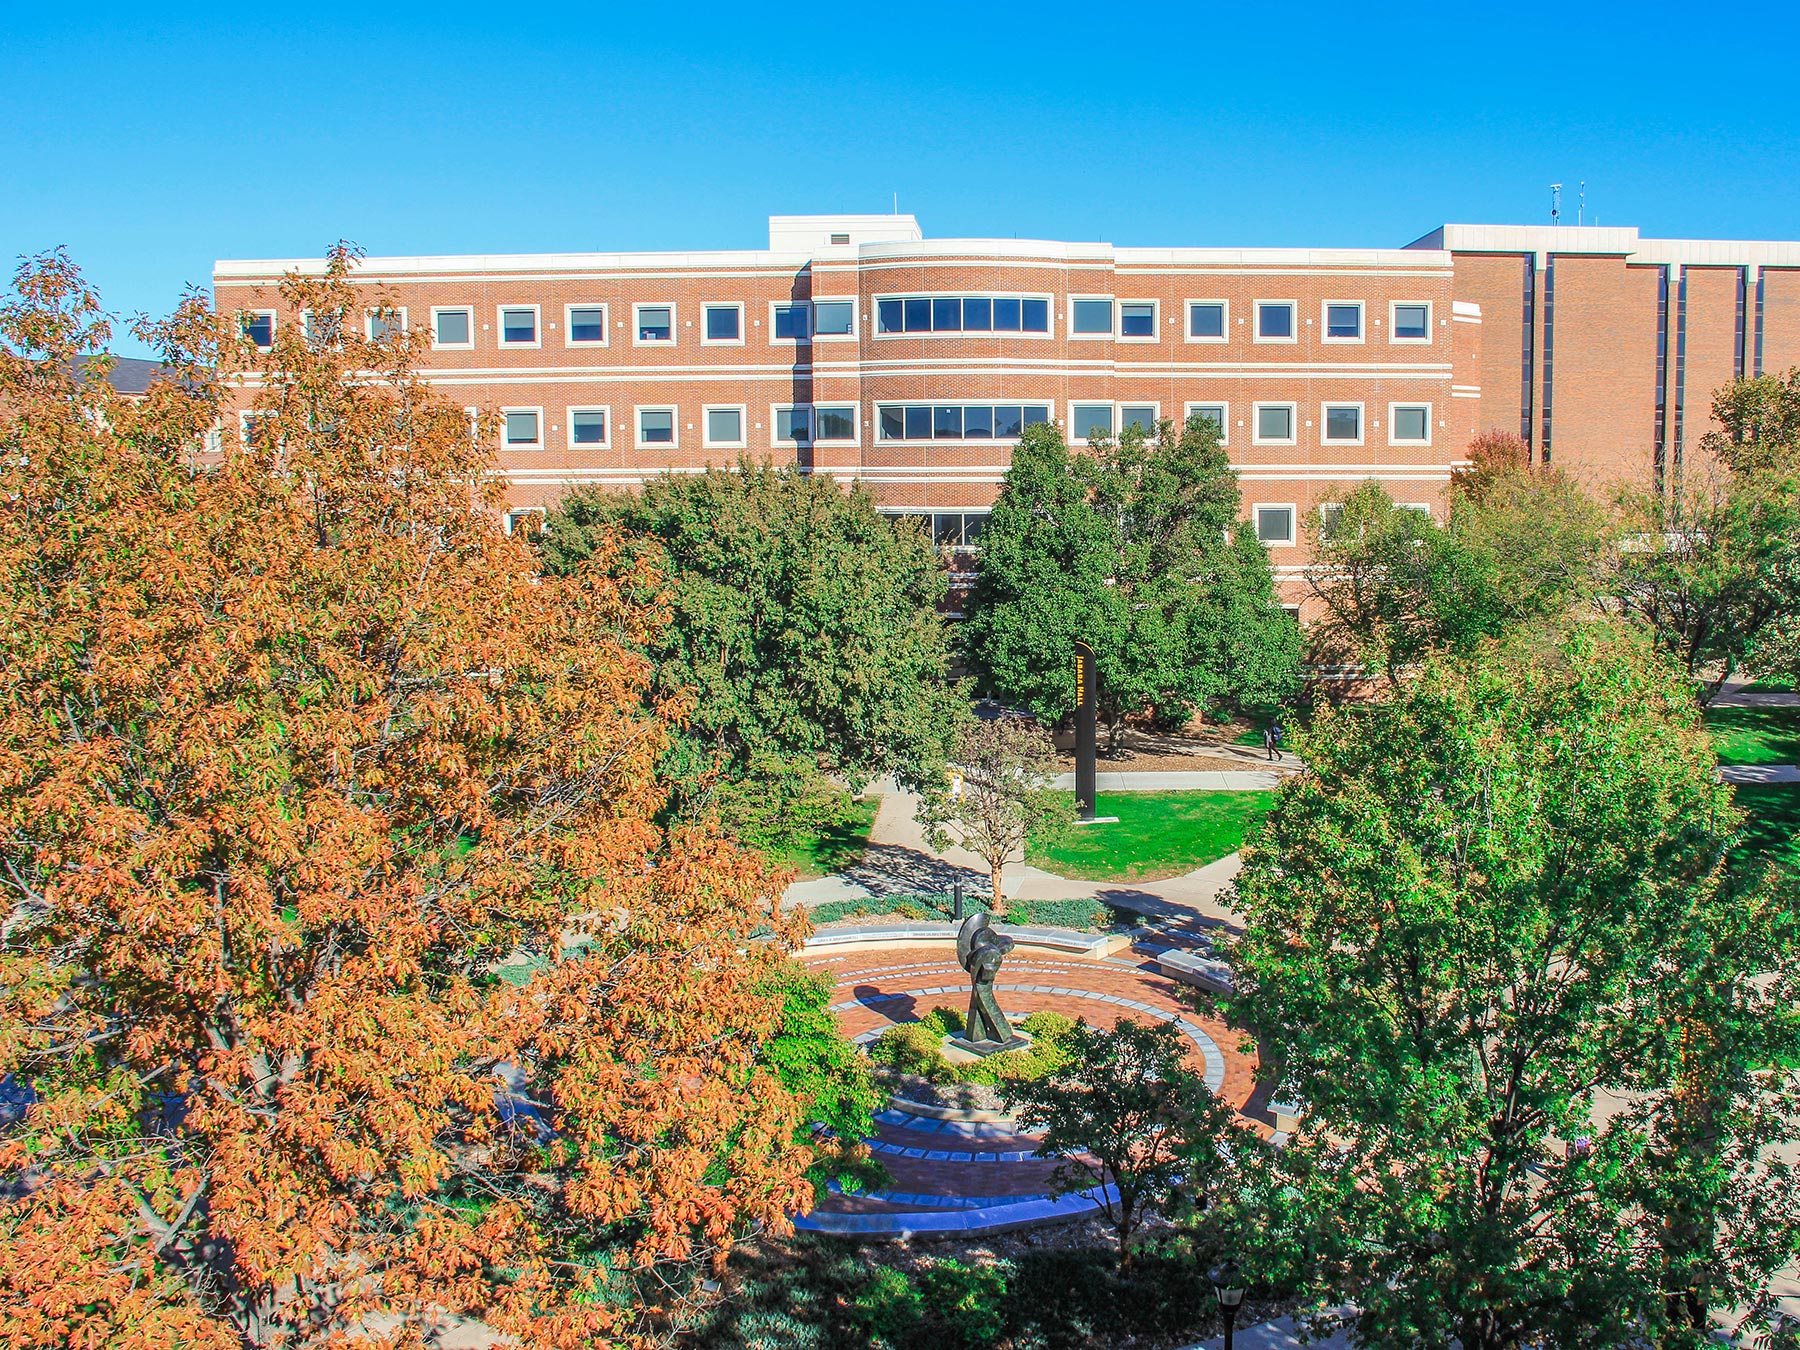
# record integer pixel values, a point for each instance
(737, 341)
(812, 323)
(245, 417)
(1362, 323)
(1430, 317)
(605, 325)
(1187, 317)
(1362, 423)
(637, 327)
(1119, 414)
(468, 346)
(1090, 403)
(606, 439)
(274, 325)
(1256, 310)
(1256, 510)
(370, 315)
(743, 436)
(521, 408)
(1423, 508)
(812, 426)
(805, 305)
(855, 437)
(1108, 335)
(1187, 411)
(1155, 318)
(537, 328)
(1256, 436)
(637, 419)
(506, 517)
(1048, 299)
(1393, 440)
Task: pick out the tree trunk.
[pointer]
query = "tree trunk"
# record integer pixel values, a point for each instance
(998, 904)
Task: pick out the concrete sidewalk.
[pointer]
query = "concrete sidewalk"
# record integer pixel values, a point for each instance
(1760, 773)
(900, 863)
(1185, 780)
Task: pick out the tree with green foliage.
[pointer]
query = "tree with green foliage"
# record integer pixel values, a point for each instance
(817, 1063)
(804, 632)
(1711, 569)
(1522, 545)
(1130, 1124)
(1134, 546)
(1544, 1040)
(1759, 423)
(997, 796)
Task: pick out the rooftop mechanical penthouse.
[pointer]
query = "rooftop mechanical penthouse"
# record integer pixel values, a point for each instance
(855, 346)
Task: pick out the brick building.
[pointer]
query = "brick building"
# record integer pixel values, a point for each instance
(855, 346)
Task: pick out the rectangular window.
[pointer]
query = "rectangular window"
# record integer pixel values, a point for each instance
(587, 325)
(958, 314)
(889, 317)
(834, 318)
(259, 327)
(1410, 424)
(1275, 422)
(947, 529)
(974, 421)
(1214, 413)
(1275, 524)
(1275, 321)
(1206, 320)
(519, 326)
(1137, 318)
(1034, 316)
(724, 426)
(1007, 315)
(1087, 420)
(1141, 416)
(1343, 423)
(523, 428)
(655, 323)
(946, 315)
(977, 315)
(793, 424)
(452, 328)
(790, 323)
(1412, 323)
(947, 423)
(382, 322)
(836, 424)
(656, 426)
(891, 423)
(587, 426)
(524, 521)
(1329, 516)
(978, 423)
(918, 315)
(1343, 321)
(724, 323)
(1009, 422)
(1091, 318)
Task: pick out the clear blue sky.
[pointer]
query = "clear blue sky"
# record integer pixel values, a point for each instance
(151, 145)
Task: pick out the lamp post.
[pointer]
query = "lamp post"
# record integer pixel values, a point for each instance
(1228, 1288)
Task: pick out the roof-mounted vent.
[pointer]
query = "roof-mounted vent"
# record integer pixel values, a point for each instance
(840, 238)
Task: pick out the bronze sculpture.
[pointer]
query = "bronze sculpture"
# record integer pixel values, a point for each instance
(980, 948)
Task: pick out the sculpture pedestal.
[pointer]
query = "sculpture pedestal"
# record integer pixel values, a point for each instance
(960, 1051)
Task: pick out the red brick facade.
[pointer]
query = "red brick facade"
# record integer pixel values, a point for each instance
(1592, 352)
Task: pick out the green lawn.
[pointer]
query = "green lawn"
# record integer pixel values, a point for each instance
(1158, 834)
(831, 848)
(1755, 735)
(1773, 828)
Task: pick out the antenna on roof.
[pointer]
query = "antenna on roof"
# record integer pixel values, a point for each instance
(1581, 203)
(1556, 203)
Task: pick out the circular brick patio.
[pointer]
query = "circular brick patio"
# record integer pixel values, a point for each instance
(964, 1174)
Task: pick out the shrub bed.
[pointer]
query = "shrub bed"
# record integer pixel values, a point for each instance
(914, 1049)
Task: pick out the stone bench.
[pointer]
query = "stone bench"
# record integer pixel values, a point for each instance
(1190, 967)
(1060, 941)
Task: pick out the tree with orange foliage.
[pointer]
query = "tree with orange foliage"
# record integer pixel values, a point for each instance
(351, 983)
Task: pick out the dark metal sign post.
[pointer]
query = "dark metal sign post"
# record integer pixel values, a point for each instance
(1087, 693)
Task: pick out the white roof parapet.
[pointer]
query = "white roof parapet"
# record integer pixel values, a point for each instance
(1621, 240)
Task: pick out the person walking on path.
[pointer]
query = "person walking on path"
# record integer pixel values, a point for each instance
(1272, 741)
